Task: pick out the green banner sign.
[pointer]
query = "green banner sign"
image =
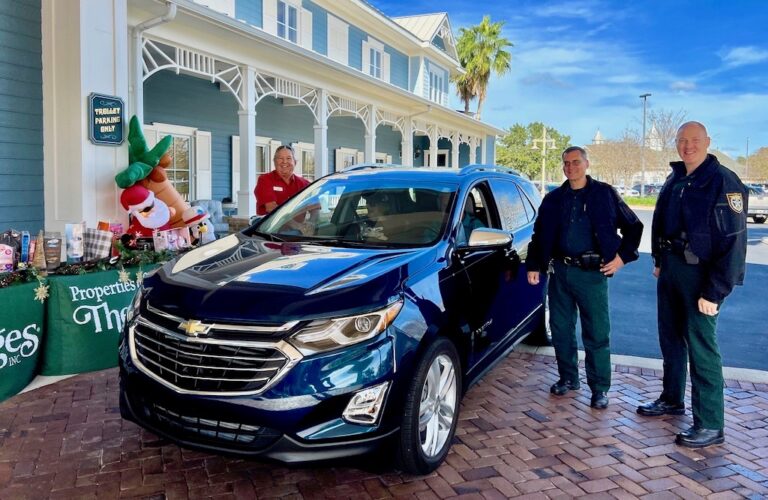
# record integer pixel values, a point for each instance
(21, 337)
(85, 314)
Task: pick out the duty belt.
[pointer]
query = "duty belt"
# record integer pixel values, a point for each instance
(678, 246)
(588, 261)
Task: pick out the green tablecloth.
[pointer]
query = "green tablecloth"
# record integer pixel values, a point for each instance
(21, 337)
(84, 317)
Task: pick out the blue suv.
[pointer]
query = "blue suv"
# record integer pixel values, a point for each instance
(354, 315)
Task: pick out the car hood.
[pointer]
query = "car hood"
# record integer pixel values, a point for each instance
(247, 279)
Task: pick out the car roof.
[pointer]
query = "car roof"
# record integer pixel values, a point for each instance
(435, 174)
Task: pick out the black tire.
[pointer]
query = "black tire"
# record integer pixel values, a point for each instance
(440, 358)
(759, 219)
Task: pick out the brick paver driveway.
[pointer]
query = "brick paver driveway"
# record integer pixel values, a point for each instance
(67, 440)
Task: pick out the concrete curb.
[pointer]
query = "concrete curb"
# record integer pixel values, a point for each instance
(729, 373)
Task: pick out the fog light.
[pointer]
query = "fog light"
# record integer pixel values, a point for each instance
(365, 405)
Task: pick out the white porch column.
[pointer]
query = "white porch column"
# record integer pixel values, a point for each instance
(455, 150)
(483, 151)
(84, 50)
(406, 144)
(322, 166)
(433, 138)
(246, 201)
(370, 137)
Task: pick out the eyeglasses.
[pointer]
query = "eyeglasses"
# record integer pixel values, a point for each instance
(148, 209)
(284, 146)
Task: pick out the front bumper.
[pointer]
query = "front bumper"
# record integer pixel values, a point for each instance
(299, 419)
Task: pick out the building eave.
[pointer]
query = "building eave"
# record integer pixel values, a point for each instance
(395, 96)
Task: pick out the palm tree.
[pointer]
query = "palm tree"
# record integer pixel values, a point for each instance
(482, 51)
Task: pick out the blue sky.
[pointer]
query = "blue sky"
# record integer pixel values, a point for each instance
(580, 65)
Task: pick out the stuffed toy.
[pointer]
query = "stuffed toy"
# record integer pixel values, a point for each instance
(147, 168)
(200, 227)
(148, 213)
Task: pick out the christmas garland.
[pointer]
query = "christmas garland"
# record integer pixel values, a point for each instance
(126, 258)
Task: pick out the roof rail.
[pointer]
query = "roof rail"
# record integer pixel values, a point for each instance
(362, 166)
(489, 168)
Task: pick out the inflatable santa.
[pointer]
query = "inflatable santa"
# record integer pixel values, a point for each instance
(147, 168)
(148, 213)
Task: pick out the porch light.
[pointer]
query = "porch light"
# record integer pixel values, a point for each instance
(364, 406)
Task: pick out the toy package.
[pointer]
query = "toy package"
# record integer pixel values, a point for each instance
(75, 242)
(10, 246)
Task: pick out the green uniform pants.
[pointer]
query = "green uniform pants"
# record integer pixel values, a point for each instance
(688, 336)
(572, 288)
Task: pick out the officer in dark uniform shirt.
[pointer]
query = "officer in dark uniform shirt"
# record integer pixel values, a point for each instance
(699, 246)
(576, 231)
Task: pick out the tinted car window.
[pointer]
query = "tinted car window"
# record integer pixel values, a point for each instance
(356, 210)
(512, 208)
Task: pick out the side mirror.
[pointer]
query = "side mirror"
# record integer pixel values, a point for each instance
(487, 238)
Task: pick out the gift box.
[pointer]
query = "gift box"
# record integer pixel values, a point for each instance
(98, 244)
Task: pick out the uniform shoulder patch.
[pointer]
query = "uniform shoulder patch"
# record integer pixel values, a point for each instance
(735, 201)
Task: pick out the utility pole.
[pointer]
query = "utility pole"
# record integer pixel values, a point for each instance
(746, 160)
(545, 143)
(644, 97)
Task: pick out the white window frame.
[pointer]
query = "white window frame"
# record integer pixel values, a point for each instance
(440, 152)
(269, 146)
(287, 7)
(200, 178)
(373, 50)
(343, 154)
(436, 92)
(298, 149)
(374, 65)
(383, 158)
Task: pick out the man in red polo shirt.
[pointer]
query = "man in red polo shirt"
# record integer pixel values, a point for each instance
(274, 189)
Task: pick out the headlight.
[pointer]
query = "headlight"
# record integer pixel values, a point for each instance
(326, 335)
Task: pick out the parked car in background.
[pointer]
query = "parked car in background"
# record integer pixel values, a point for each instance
(757, 206)
(650, 189)
(623, 191)
(333, 334)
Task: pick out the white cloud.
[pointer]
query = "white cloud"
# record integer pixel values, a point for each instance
(741, 56)
(682, 86)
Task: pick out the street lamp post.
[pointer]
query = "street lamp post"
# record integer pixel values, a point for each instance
(545, 143)
(746, 163)
(644, 97)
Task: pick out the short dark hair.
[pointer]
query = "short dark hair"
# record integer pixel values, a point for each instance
(571, 149)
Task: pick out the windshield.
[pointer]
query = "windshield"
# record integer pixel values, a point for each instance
(363, 210)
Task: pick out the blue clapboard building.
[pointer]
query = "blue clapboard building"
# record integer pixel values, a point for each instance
(230, 80)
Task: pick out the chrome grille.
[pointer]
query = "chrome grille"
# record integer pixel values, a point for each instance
(202, 365)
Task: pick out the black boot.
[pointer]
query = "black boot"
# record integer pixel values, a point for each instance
(599, 400)
(562, 386)
(699, 438)
(659, 407)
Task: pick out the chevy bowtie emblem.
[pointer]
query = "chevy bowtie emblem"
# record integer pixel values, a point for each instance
(193, 327)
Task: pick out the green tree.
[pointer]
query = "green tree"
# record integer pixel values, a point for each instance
(482, 51)
(515, 149)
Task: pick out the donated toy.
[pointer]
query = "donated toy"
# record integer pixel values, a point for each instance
(147, 169)
(200, 227)
(148, 213)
